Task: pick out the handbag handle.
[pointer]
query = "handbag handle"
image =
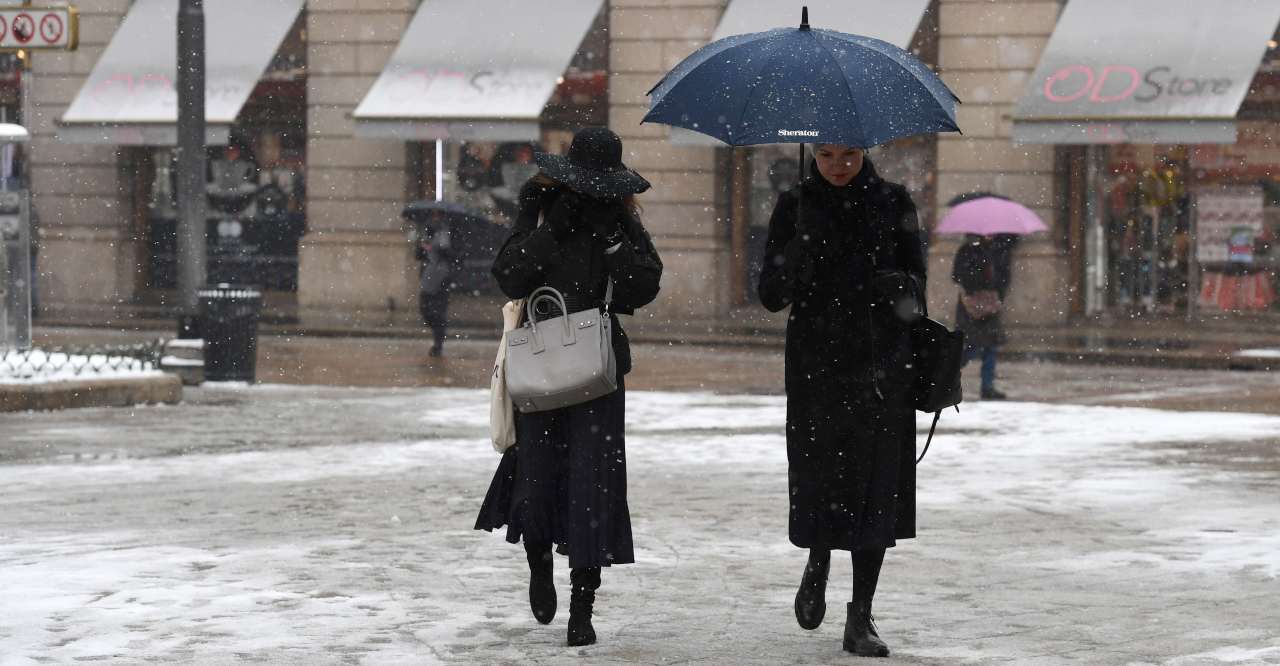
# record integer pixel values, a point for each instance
(539, 294)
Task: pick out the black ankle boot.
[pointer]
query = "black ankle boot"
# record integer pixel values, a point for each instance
(542, 588)
(860, 635)
(811, 598)
(581, 599)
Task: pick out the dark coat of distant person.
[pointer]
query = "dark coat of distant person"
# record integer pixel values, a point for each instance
(978, 266)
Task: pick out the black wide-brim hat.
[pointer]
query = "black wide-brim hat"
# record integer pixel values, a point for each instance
(593, 166)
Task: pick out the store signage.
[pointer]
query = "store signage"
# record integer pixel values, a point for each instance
(1116, 83)
(1227, 222)
(1184, 66)
(39, 28)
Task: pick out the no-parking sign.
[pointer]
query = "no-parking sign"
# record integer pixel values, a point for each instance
(39, 28)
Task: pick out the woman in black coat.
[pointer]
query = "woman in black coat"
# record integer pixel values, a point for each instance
(564, 482)
(844, 253)
(981, 265)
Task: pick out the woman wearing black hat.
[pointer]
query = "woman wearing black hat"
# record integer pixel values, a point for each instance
(844, 254)
(564, 482)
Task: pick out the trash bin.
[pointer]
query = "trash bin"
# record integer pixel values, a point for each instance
(229, 324)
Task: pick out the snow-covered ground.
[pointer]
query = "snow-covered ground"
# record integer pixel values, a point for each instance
(40, 367)
(1048, 533)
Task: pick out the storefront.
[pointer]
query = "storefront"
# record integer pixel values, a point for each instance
(472, 117)
(753, 177)
(1171, 107)
(256, 133)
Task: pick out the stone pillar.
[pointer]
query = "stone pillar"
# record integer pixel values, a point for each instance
(647, 38)
(987, 53)
(356, 255)
(89, 250)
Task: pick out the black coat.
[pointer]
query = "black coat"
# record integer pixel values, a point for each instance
(979, 266)
(576, 264)
(850, 422)
(565, 480)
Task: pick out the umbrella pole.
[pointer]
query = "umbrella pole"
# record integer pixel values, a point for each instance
(800, 185)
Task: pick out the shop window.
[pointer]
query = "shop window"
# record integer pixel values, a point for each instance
(480, 180)
(256, 186)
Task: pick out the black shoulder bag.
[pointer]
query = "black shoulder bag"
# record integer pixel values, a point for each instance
(939, 355)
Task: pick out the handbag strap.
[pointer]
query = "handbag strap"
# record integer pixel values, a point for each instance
(608, 295)
(936, 415)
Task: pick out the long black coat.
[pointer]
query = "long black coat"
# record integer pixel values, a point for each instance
(565, 479)
(850, 423)
(979, 266)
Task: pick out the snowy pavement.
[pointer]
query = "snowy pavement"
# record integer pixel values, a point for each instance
(325, 525)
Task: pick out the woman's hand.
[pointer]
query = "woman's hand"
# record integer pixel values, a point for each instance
(898, 289)
(565, 214)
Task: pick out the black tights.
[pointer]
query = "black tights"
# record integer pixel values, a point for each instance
(866, 572)
(540, 560)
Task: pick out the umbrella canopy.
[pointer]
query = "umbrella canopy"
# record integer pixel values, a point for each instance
(803, 85)
(974, 196)
(990, 216)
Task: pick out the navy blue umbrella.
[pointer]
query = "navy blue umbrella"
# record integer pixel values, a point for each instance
(803, 85)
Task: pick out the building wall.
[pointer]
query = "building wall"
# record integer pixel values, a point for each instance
(987, 52)
(356, 255)
(647, 38)
(89, 251)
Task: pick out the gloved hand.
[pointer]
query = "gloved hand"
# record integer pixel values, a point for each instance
(603, 218)
(565, 215)
(890, 285)
(898, 289)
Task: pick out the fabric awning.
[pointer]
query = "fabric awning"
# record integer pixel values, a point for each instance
(475, 70)
(894, 22)
(130, 97)
(1145, 71)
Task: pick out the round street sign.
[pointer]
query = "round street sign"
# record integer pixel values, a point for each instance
(24, 28)
(51, 28)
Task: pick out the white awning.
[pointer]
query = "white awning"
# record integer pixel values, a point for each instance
(475, 70)
(1146, 71)
(130, 97)
(894, 22)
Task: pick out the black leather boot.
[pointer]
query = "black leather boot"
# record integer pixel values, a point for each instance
(811, 598)
(542, 588)
(581, 599)
(860, 635)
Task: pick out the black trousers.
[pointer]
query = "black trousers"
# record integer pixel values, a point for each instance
(435, 313)
(565, 482)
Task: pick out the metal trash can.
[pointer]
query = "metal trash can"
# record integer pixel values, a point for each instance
(229, 324)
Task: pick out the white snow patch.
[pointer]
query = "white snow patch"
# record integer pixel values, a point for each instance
(39, 367)
(1258, 353)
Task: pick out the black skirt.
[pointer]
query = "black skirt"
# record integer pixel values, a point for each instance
(565, 482)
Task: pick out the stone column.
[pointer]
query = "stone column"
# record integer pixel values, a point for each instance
(988, 51)
(89, 252)
(647, 38)
(355, 256)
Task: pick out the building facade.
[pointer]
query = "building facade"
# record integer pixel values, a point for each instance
(338, 241)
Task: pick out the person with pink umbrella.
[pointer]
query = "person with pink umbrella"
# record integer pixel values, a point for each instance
(992, 225)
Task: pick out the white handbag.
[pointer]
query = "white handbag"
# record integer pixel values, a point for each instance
(502, 417)
(561, 361)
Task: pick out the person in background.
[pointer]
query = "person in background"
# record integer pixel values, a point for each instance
(435, 278)
(976, 270)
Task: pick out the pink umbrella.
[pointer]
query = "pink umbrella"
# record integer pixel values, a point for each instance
(989, 216)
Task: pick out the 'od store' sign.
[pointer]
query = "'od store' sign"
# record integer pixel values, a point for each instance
(1110, 84)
